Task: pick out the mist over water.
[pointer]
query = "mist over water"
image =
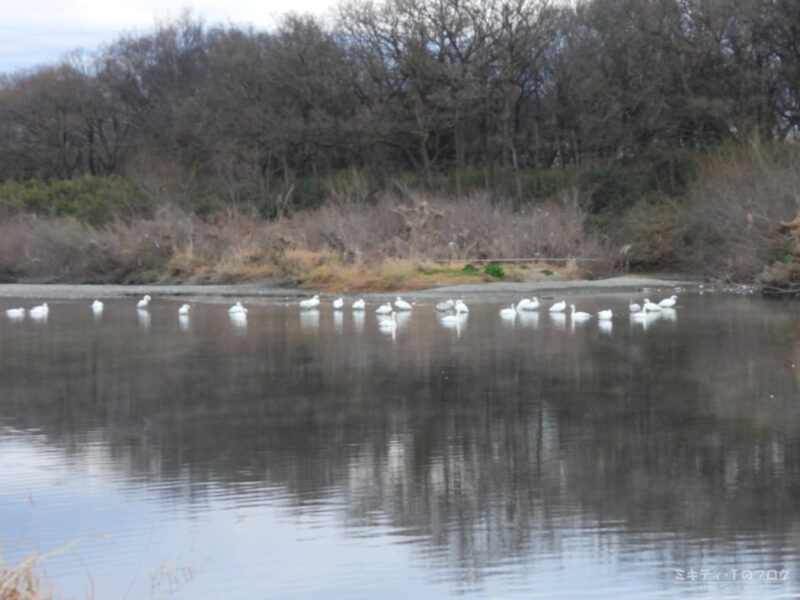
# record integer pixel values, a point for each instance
(293, 454)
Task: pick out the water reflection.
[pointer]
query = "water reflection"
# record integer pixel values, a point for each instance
(143, 316)
(309, 319)
(338, 321)
(606, 326)
(239, 321)
(499, 466)
(358, 321)
(558, 319)
(183, 322)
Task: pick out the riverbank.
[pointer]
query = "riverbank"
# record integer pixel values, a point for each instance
(269, 290)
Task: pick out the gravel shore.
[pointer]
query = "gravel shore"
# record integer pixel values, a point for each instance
(269, 290)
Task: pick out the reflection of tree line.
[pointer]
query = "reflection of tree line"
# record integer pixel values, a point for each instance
(485, 450)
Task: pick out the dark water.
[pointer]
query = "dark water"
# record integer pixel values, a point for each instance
(316, 456)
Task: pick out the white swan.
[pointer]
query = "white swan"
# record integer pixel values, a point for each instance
(384, 309)
(338, 304)
(445, 305)
(97, 306)
(401, 304)
(650, 306)
(668, 302)
(15, 313)
(237, 309)
(461, 307)
(359, 304)
(558, 306)
(578, 315)
(184, 310)
(528, 304)
(508, 313)
(312, 302)
(37, 312)
(605, 315)
(634, 307)
(144, 301)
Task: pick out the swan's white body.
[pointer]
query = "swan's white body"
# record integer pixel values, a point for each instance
(605, 315)
(401, 304)
(578, 315)
(144, 301)
(15, 313)
(359, 304)
(528, 304)
(97, 306)
(668, 302)
(508, 313)
(384, 309)
(37, 312)
(312, 302)
(634, 307)
(184, 310)
(558, 307)
(650, 306)
(446, 305)
(338, 304)
(237, 309)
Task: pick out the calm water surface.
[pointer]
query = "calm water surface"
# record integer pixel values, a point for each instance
(317, 456)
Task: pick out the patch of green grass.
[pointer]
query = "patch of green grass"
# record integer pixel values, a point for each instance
(494, 270)
(547, 272)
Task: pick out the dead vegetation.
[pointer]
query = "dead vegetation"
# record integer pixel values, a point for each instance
(393, 243)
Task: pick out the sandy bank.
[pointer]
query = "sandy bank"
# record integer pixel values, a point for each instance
(269, 290)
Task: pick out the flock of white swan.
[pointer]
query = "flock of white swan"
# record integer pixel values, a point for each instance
(452, 312)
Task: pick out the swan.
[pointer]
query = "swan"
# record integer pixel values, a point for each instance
(338, 304)
(97, 306)
(668, 302)
(37, 312)
(558, 307)
(384, 309)
(359, 304)
(144, 301)
(237, 309)
(578, 316)
(650, 306)
(312, 302)
(401, 304)
(184, 310)
(15, 313)
(605, 315)
(461, 307)
(446, 305)
(508, 313)
(634, 307)
(528, 304)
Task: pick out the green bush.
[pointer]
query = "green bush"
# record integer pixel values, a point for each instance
(494, 270)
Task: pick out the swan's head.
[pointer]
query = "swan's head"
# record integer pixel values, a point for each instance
(147, 297)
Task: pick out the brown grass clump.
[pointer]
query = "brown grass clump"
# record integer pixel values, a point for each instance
(19, 582)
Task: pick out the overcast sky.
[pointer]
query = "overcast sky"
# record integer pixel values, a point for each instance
(34, 32)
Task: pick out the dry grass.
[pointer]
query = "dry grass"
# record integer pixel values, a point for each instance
(736, 210)
(392, 244)
(20, 582)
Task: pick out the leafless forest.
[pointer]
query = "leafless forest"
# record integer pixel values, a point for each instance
(619, 103)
